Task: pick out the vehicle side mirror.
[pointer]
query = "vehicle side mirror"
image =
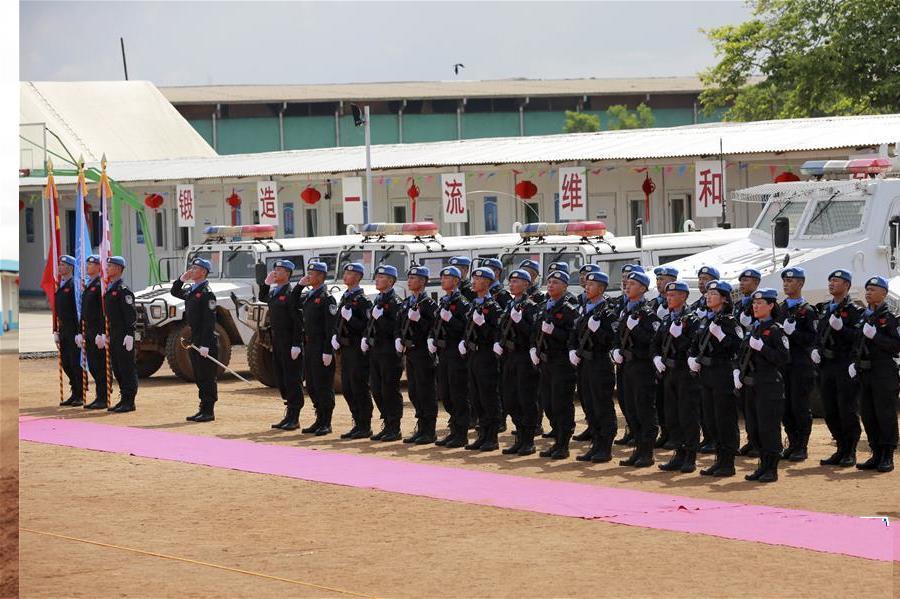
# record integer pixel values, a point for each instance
(261, 273)
(781, 230)
(639, 233)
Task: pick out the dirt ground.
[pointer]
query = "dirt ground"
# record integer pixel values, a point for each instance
(330, 541)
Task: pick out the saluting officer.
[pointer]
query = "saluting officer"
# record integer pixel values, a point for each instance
(498, 292)
(617, 304)
(452, 373)
(767, 353)
(354, 311)
(415, 322)
(798, 320)
(118, 302)
(533, 268)
(590, 344)
(385, 363)
(664, 276)
(519, 379)
(711, 356)
(748, 282)
(94, 325)
(705, 275)
(833, 353)
(319, 312)
(874, 363)
(200, 313)
(551, 354)
(463, 263)
(286, 319)
(671, 348)
(478, 346)
(68, 335)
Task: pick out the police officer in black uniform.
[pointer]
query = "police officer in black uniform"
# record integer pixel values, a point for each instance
(766, 352)
(353, 318)
(833, 353)
(748, 282)
(533, 268)
(705, 275)
(200, 313)
(664, 276)
(319, 313)
(118, 301)
(498, 292)
(68, 335)
(590, 344)
(415, 321)
(798, 320)
(452, 371)
(94, 326)
(617, 305)
(385, 363)
(286, 320)
(586, 405)
(463, 263)
(874, 364)
(543, 395)
(671, 348)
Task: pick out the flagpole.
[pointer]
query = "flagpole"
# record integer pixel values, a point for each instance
(104, 249)
(52, 249)
(79, 209)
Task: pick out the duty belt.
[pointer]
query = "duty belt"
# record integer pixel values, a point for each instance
(710, 361)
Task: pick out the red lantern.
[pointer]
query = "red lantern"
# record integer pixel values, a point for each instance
(153, 200)
(648, 187)
(526, 189)
(310, 195)
(786, 176)
(234, 200)
(21, 205)
(413, 193)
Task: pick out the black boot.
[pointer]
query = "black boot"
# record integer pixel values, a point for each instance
(584, 435)
(72, 402)
(801, 447)
(97, 404)
(626, 439)
(415, 434)
(127, 405)
(349, 434)
(886, 464)
(444, 440)
(551, 434)
(116, 407)
(363, 430)
(674, 464)
(760, 468)
(645, 454)
(588, 455)
(284, 420)
(207, 413)
(707, 446)
(314, 426)
(690, 461)
(770, 474)
(726, 465)
(377, 436)
(490, 439)
(633, 458)
(604, 451)
(515, 447)
(458, 438)
(849, 457)
(562, 449)
(324, 428)
(189, 418)
(392, 432)
(291, 420)
(711, 471)
(427, 435)
(479, 440)
(526, 435)
(872, 462)
(835, 458)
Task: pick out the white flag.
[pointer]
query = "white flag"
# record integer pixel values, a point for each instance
(351, 188)
(453, 198)
(187, 216)
(267, 202)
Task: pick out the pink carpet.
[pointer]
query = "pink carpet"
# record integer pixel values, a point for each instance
(829, 533)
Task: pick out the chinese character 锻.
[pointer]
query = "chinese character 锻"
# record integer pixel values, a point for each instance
(572, 198)
(710, 188)
(267, 203)
(454, 198)
(186, 204)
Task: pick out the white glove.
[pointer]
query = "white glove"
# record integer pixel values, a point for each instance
(295, 352)
(693, 364)
(516, 315)
(326, 359)
(593, 324)
(851, 370)
(745, 319)
(756, 343)
(661, 312)
(815, 356)
(617, 356)
(789, 326)
(56, 338)
(869, 331)
(204, 351)
(100, 341)
(658, 362)
(632, 322)
(535, 359)
(79, 340)
(737, 378)
(446, 314)
(478, 318)
(346, 312)
(432, 346)
(547, 327)
(574, 360)
(398, 345)
(716, 331)
(128, 342)
(676, 328)
(334, 343)
(462, 348)
(270, 278)
(498, 349)
(836, 323)
(414, 315)
(377, 311)
(364, 345)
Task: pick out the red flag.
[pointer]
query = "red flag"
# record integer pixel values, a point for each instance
(50, 280)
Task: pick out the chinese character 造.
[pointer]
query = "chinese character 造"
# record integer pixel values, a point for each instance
(710, 188)
(186, 204)
(267, 203)
(454, 198)
(572, 198)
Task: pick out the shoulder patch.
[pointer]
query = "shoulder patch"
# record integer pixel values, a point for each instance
(332, 309)
(129, 299)
(212, 304)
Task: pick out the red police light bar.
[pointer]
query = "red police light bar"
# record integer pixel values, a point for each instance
(869, 166)
(581, 228)
(417, 229)
(241, 231)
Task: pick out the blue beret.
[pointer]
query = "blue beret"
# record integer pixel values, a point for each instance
(560, 275)
(67, 259)
(529, 263)
(877, 281)
(590, 268)
(485, 273)
(355, 267)
(460, 261)
(317, 267)
(201, 262)
(119, 260)
(723, 287)
(563, 266)
(632, 268)
(386, 269)
(766, 293)
(794, 272)
(93, 259)
(640, 277)
(678, 286)
(842, 274)
(665, 271)
(709, 270)
(284, 264)
(419, 271)
(520, 274)
(598, 276)
(493, 263)
(750, 273)
(451, 271)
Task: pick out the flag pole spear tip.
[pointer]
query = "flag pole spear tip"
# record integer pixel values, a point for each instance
(49, 166)
(103, 161)
(81, 162)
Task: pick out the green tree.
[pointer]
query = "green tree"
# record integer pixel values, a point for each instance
(621, 118)
(581, 122)
(806, 58)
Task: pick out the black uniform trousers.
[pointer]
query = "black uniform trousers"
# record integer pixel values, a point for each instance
(798, 385)
(620, 399)
(420, 371)
(453, 387)
(719, 406)
(319, 383)
(484, 377)
(639, 380)
(682, 407)
(596, 383)
(205, 373)
(385, 368)
(586, 405)
(840, 399)
(97, 365)
(765, 408)
(519, 386)
(123, 367)
(878, 403)
(355, 383)
(558, 379)
(288, 374)
(70, 355)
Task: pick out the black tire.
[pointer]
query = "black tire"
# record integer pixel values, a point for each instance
(177, 356)
(259, 358)
(148, 362)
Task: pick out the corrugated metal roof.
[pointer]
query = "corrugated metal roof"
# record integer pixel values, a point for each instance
(764, 137)
(231, 94)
